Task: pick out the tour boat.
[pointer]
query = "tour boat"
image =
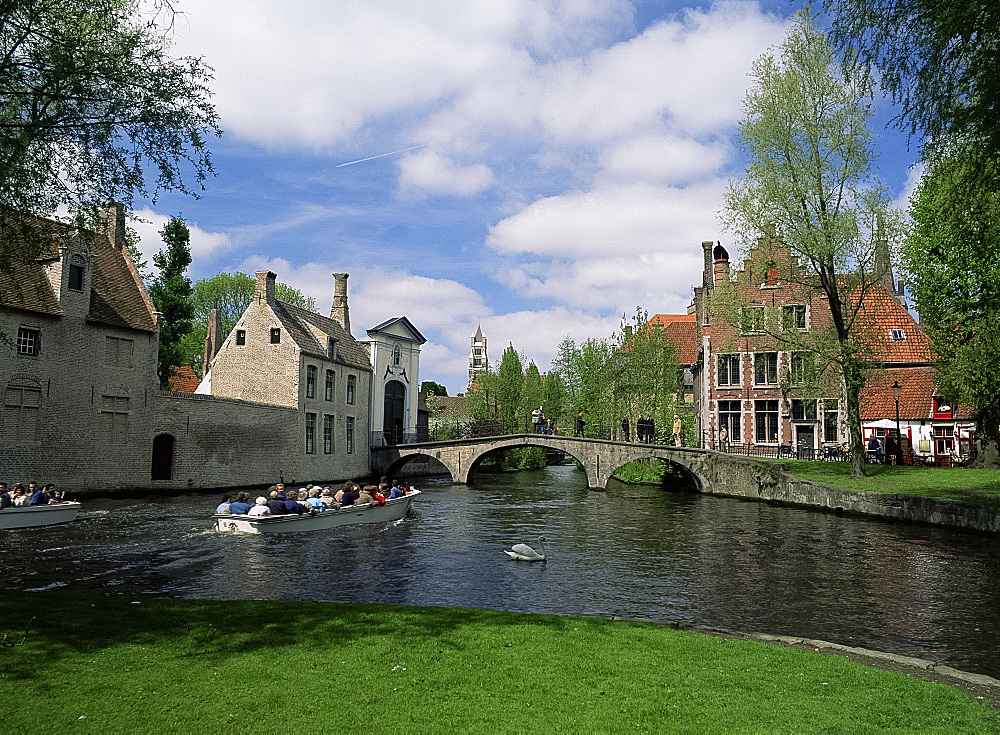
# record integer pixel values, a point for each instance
(27, 516)
(393, 510)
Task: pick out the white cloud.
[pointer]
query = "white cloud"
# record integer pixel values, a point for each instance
(913, 177)
(204, 245)
(432, 172)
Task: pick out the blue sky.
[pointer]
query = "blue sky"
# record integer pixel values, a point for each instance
(571, 159)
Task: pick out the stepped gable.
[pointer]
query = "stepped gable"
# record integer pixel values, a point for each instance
(307, 328)
(682, 329)
(915, 400)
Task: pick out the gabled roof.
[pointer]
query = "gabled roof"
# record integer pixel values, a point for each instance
(116, 297)
(880, 315)
(183, 380)
(682, 329)
(916, 400)
(404, 324)
(307, 328)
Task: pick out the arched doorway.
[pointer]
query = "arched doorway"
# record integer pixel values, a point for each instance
(163, 457)
(392, 415)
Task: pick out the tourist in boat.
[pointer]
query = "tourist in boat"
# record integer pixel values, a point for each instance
(366, 496)
(276, 501)
(42, 496)
(5, 500)
(18, 496)
(314, 500)
(350, 496)
(260, 508)
(241, 506)
(326, 496)
(396, 492)
(225, 505)
(302, 497)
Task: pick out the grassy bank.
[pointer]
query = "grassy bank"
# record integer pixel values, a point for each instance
(100, 664)
(933, 482)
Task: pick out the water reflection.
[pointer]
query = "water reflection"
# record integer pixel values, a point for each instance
(630, 551)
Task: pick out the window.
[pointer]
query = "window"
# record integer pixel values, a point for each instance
(22, 404)
(331, 347)
(766, 422)
(765, 368)
(944, 439)
(118, 351)
(327, 434)
(114, 420)
(731, 416)
(310, 381)
(328, 395)
(275, 335)
(798, 367)
(752, 319)
(76, 277)
(803, 410)
(897, 335)
(794, 316)
(350, 435)
(350, 389)
(310, 433)
(241, 337)
(830, 417)
(29, 341)
(729, 370)
(395, 355)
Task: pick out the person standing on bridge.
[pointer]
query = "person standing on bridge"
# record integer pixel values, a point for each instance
(625, 435)
(580, 423)
(536, 420)
(678, 427)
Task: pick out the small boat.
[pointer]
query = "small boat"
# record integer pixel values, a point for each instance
(393, 510)
(27, 516)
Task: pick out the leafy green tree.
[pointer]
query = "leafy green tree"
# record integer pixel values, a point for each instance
(953, 254)
(809, 181)
(554, 397)
(230, 293)
(430, 388)
(94, 108)
(644, 370)
(586, 370)
(938, 60)
(533, 394)
(510, 389)
(171, 294)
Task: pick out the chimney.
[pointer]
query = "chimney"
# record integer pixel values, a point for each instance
(114, 224)
(707, 282)
(721, 264)
(339, 311)
(264, 290)
(213, 340)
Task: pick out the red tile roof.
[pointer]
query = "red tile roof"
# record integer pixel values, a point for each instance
(882, 321)
(916, 399)
(184, 380)
(683, 330)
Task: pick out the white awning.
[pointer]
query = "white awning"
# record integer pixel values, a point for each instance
(880, 424)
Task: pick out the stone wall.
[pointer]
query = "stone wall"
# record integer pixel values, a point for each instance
(741, 477)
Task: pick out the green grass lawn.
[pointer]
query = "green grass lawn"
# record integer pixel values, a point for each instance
(102, 664)
(945, 483)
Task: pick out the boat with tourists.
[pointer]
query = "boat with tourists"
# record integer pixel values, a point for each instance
(29, 516)
(392, 510)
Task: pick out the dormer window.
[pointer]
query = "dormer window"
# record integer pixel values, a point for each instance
(897, 335)
(331, 347)
(76, 278)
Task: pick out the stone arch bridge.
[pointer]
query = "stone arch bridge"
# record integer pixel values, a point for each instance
(599, 458)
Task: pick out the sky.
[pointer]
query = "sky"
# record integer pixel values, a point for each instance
(552, 165)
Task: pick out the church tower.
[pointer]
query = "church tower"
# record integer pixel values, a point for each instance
(478, 361)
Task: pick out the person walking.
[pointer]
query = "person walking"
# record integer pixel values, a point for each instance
(724, 439)
(580, 423)
(625, 427)
(678, 427)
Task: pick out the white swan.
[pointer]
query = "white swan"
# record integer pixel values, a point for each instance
(523, 552)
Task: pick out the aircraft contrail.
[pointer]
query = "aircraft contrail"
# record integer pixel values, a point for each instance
(380, 155)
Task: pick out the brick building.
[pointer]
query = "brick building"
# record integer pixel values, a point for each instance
(753, 384)
(80, 377)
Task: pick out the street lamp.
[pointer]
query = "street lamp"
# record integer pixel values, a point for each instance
(897, 391)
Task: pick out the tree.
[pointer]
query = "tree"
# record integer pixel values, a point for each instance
(171, 294)
(509, 389)
(93, 108)
(532, 395)
(809, 187)
(586, 370)
(938, 61)
(952, 253)
(644, 369)
(430, 388)
(554, 396)
(230, 293)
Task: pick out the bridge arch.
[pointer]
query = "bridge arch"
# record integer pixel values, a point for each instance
(687, 478)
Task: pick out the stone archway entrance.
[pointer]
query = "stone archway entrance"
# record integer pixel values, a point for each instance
(393, 412)
(163, 457)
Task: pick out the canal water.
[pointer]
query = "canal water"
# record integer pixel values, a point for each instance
(633, 551)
